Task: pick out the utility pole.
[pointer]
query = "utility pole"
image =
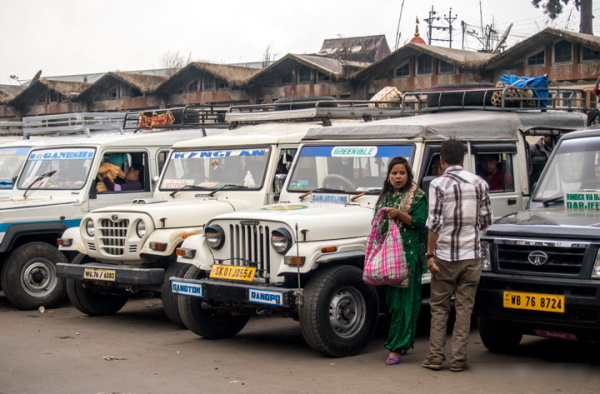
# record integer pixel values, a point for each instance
(430, 21)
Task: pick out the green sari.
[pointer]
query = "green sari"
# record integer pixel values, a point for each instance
(404, 302)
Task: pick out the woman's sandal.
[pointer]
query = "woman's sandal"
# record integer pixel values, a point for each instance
(395, 360)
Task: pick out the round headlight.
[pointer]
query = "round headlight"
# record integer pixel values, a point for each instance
(89, 227)
(140, 229)
(281, 240)
(215, 236)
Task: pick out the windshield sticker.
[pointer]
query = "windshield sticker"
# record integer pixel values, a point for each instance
(71, 154)
(354, 151)
(219, 153)
(582, 201)
(176, 183)
(357, 151)
(14, 152)
(330, 198)
(283, 207)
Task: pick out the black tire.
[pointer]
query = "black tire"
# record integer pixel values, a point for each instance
(208, 323)
(339, 312)
(169, 299)
(448, 98)
(499, 336)
(29, 276)
(94, 300)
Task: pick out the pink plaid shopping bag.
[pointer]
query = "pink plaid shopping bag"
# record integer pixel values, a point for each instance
(385, 261)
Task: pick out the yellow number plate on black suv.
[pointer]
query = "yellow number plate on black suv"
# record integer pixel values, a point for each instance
(534, 301)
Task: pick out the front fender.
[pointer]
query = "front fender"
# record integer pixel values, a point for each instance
(77, 244)
(171, 237)
(203, 256)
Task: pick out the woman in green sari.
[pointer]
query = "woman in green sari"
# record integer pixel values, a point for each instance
(407, 208)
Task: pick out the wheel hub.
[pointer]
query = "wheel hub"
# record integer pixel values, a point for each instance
(347, 312)
(38, 279)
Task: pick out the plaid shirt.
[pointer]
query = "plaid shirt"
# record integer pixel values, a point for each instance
(459, 207)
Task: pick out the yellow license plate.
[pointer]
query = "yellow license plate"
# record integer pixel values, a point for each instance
(534, 301)
(99, 274)
(232, 272)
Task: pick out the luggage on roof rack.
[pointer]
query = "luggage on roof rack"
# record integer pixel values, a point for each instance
(188, 116)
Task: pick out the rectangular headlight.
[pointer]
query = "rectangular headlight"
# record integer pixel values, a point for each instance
(486, 264)
(596, 268)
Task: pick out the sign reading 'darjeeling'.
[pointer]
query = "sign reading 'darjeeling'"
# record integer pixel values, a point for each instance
(582, 200)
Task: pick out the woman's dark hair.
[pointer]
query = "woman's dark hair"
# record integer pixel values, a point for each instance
(452, 151)
(387, 186)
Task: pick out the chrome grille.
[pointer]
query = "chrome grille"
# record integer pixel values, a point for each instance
(250, 246)
(561, 261)
(113, 236)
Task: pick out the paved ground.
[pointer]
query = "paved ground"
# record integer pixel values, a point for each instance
(140, 351)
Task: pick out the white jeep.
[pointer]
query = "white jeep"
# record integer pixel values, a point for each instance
(303, 257)
(57, 186)
(131, 248)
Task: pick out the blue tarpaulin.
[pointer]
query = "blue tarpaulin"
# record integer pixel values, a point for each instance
(540, 82)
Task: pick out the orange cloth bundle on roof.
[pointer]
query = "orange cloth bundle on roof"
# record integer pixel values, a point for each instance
(389, 93)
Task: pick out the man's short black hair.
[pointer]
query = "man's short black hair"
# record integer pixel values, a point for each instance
(452, 151)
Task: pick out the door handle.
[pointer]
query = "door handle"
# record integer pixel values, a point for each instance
(512, 201)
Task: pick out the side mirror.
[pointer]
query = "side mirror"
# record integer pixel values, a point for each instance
(278, 183)
(155, 179)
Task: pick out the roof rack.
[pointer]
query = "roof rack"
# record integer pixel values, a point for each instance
(11, 128)
(72, 123)
(189, 116)
(413, 103)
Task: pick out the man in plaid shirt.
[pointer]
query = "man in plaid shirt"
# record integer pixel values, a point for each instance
(459, 207)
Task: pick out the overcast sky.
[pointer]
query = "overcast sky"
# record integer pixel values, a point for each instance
(67, 37)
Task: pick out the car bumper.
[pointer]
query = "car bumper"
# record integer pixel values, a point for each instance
(580, 319)
(117, 274)
(238, 294)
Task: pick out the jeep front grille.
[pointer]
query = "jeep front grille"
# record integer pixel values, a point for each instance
(113, 236)
(561, 260)
(250, 246)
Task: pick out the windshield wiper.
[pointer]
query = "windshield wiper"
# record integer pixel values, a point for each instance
(227, 186)
(194, 187)
(552, 200)
(39, 178)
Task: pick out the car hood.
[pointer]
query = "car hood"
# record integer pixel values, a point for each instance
(323, 221)
(31, 202)
(177, 213)
(548, 222)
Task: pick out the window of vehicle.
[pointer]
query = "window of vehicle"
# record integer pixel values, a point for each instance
(11, 160)
(494, 163)
(55, 169)
(563, 52)
(424, 64)
(116, 167)
(575, 166)
(537, 59)
(215, 168)
(344, 168)
(402, 70)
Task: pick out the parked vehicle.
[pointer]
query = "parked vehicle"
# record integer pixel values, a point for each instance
(130, 248)
(541, 266)
(11, 157)
(303, 257)
(57, 186)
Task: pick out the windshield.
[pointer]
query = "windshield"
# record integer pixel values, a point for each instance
(574, 167)
(11, 160)
(344, 168)
(211, 169)
(62, 169)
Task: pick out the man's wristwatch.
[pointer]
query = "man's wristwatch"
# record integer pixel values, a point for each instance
(429, 255)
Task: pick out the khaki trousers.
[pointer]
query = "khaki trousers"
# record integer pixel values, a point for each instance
(461, 279)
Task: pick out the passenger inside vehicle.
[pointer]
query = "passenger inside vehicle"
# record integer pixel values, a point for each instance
(132, 180)
(111, 169)
(493, 172)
